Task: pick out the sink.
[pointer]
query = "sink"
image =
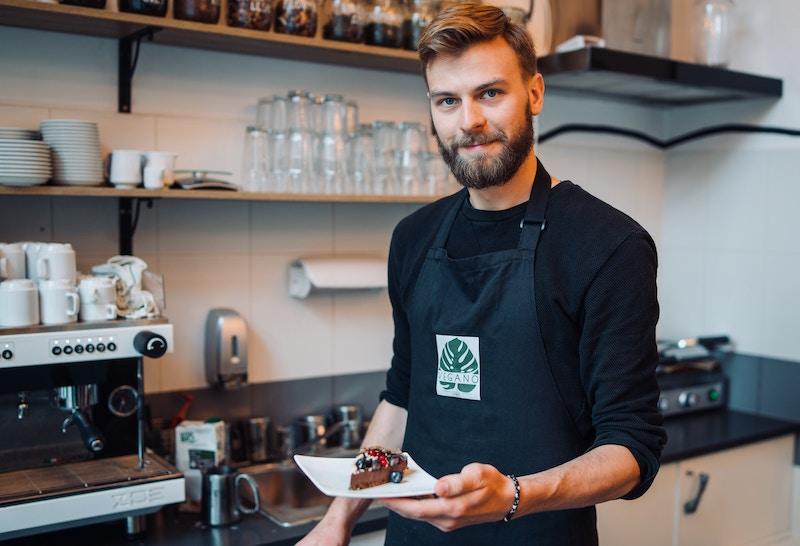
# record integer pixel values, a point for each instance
(287, 496)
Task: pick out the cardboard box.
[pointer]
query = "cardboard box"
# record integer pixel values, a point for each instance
(198, 446)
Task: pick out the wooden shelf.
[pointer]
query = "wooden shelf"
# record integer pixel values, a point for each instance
(114, 24)
(593, 72)
(219, 195)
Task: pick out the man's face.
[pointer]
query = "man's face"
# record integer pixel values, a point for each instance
(481, 107)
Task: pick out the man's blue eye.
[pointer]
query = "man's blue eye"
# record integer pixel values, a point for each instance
(449, 101)
(491, 93)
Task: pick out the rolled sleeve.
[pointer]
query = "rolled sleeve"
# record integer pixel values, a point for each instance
(618, 355)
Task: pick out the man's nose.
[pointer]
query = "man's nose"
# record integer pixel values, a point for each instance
(472, 118)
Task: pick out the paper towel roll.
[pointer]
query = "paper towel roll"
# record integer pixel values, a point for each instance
(336, 273)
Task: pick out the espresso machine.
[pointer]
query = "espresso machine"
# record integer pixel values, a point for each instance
(73, 427)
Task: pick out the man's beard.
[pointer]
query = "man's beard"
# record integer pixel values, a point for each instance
(481, 172)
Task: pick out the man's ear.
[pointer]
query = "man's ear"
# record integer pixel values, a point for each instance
(536, 93)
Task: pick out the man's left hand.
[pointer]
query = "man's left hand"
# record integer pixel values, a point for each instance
(478, 494)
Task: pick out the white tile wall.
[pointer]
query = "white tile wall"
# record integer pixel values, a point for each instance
(362, 332)
(291, 228)
(196, 284)
(291, 338)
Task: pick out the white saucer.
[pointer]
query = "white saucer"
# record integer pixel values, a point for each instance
(331, 475)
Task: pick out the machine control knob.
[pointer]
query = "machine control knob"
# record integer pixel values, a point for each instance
(111, 346)
(101, 347)
(56, 350)
(68, 349)
(7, 354)
(78, 349)
(89, 348)
(687, 399)
(150, 344)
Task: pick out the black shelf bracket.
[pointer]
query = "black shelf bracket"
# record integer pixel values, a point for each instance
(128, 57)
(128, 220)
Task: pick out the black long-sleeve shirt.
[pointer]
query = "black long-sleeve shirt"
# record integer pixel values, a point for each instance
(595, 284)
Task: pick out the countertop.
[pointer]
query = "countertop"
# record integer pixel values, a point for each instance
(688, 436)
(707, 432)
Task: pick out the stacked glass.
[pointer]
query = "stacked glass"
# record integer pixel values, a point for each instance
(315, 144)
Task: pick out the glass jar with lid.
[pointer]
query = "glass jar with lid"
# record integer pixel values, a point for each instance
(346, 21)
(298, 17)
(254, 14)
(201, 11)
(384, 23)
(418, 16)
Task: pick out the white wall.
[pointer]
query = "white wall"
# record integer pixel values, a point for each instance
(730, 251)
(233, 254)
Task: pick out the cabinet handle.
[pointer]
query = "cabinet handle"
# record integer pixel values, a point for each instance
(690, 507)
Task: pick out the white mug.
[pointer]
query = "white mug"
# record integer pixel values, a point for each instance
(12, 261)
(31, 255)
(58, 302)
(126, 167)
(154, 178)
(98, 298)
(164, 161)
(19, 303)
(56, 261)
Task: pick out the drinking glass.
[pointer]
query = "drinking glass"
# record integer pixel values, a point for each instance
(256, 165)
(712, 42)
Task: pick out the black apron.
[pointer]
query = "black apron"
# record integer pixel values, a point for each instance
(481, 388)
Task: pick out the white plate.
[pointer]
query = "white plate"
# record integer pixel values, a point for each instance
(331, 475)
(23, 180)
(66, 123)
(23, 170)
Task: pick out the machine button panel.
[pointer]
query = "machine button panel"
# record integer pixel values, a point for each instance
(82, 346)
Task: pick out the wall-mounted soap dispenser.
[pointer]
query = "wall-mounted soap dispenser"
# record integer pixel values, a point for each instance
(226, 349)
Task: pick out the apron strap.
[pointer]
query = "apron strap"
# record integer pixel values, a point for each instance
(449, 219)
(534, 223)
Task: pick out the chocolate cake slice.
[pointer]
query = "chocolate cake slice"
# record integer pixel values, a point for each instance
(375, 466)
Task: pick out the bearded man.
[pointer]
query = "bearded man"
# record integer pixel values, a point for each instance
(523, 374)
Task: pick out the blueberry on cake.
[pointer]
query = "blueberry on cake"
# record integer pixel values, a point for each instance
(375, 466)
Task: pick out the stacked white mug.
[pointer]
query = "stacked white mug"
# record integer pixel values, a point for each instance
(39, 285)
(98, 298)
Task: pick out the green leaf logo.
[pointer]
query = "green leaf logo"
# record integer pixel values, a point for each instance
(457, 358)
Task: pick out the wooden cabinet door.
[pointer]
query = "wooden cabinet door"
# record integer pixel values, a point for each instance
(747, 497)
(376, 538)
(647, 520)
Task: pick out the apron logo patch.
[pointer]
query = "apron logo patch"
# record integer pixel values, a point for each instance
(459, 369)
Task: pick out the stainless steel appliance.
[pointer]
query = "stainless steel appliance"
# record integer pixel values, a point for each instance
(71, 411)
(226, 349)
(689, 376)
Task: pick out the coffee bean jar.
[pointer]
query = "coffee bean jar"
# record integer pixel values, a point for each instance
(144, 7)
(417, 17)
(346, 22)
(298, 17)
(384, 23)
(201, 11)
(254, 14)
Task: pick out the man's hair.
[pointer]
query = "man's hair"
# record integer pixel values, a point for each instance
(468, 23)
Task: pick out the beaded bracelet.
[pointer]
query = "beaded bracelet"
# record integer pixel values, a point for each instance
(515, 504)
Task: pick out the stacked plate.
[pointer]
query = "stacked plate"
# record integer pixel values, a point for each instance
(23, 161)
(19, 134)
(77, 160)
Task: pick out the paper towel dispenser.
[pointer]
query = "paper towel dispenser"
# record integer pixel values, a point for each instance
(226, 349)
(307, 275)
